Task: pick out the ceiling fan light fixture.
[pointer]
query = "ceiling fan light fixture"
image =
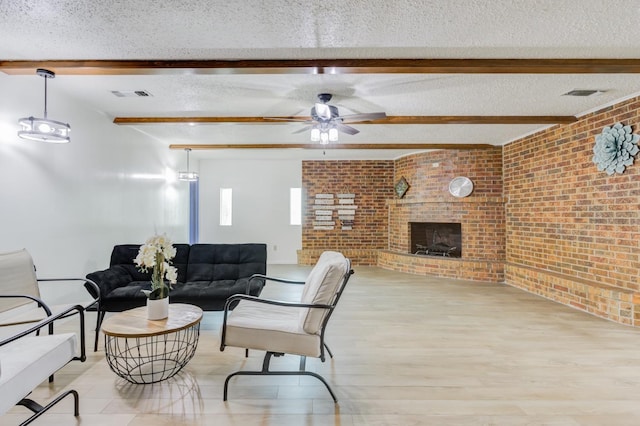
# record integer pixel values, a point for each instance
(43, 129)
(324, 138)
(333, 135)
(315, 135)
(188, 176)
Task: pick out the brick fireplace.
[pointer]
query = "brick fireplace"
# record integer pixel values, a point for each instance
(480, 217)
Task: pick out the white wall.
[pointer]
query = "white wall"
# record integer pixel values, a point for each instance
(69, 204)
(260, 204)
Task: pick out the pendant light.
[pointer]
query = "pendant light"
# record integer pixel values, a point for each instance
(188, 176)
(43, 129)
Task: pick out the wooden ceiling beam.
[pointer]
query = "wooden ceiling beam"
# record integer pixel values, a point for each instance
(326, 66)
(412, 146)
(400, 119)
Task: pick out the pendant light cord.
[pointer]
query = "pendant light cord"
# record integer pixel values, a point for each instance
(45, 96)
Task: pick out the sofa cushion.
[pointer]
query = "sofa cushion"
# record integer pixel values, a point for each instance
(127, 296)
(27, 362)
(218, 262)
(124, 254)
(212, 295)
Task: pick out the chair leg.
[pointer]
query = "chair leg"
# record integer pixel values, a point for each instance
(39, 409)
(265, 372)
(99, 318)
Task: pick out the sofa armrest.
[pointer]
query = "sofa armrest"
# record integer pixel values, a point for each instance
(107, 280)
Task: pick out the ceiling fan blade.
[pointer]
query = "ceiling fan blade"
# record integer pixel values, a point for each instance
(354, 118)
(346, 129)
(304, 129)
(291, 119)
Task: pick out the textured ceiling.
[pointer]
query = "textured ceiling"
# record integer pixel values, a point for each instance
(216, 30)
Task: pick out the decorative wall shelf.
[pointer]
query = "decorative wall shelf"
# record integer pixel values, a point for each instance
(324, 207)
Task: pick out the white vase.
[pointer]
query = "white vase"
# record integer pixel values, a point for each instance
(157, 309)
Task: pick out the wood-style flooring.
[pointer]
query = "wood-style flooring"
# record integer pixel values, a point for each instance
(409, 350)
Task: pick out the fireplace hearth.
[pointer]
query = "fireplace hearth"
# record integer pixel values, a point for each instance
(436, 239)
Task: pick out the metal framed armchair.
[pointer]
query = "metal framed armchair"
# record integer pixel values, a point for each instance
(296, 328)
(20, 302)
(26, 360)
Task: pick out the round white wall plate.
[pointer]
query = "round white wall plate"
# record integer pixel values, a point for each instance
(460, 187)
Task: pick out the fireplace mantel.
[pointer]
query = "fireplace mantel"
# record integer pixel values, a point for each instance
(451, 199)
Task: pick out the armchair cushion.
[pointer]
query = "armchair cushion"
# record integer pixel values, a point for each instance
(27, 362)
(18, 277)
(20, 301)
(270, 328)
(321, 288)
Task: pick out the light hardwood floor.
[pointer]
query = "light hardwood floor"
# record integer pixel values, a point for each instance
(409, 350)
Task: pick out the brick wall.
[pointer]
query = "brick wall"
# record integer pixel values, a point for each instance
(372, 184)
(428, 200)
(573, 233)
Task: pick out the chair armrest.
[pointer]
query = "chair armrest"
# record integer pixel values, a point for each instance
(48, 321)
(39, 301)
(266, 278)
(238, 297)
(88, 284)
(280, 280)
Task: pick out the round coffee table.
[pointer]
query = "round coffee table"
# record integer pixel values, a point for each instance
(144, 351)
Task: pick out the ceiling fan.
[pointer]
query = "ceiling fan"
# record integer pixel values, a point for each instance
(326, 121)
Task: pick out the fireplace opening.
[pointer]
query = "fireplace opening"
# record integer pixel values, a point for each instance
(436, 239)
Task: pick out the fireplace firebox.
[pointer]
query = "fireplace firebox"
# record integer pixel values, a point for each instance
(436, 239)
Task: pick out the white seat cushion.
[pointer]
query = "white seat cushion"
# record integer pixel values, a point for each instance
(272, 328)
(29, 361)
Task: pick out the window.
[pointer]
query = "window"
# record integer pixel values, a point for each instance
(295, 206)
(225, 206)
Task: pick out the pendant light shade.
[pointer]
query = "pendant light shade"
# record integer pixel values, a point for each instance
(43, 129)
(188, 176)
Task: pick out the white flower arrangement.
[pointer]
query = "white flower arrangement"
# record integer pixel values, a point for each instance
(156, 253)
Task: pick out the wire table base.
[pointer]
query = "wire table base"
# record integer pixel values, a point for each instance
(142, 351)
(144, 360)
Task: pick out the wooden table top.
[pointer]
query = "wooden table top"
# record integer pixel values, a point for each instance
(134, 322)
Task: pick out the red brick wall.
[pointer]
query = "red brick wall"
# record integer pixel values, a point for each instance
(372, 183)
(569, 225)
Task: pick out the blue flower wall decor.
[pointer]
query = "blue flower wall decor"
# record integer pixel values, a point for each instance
(615, 148)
